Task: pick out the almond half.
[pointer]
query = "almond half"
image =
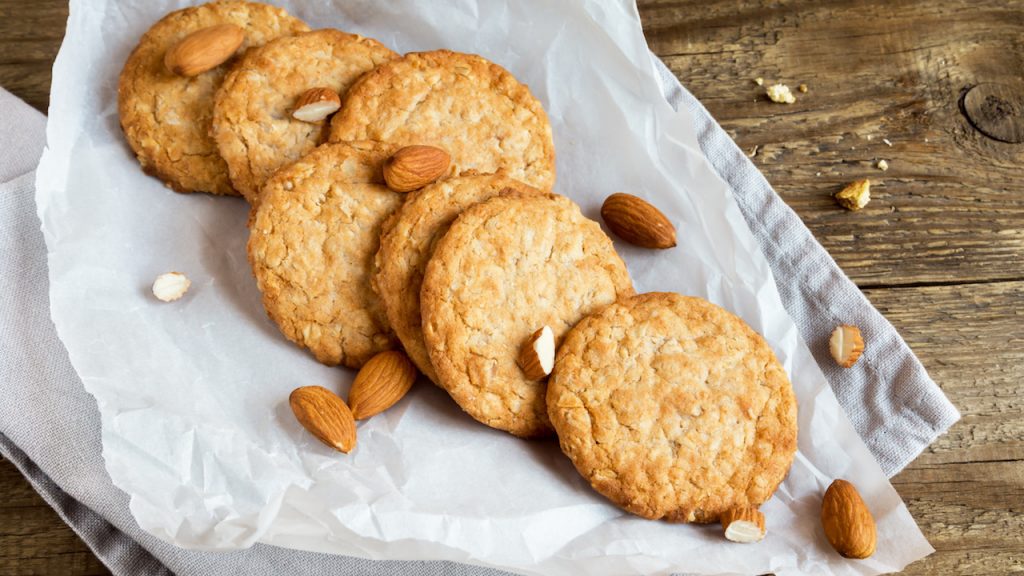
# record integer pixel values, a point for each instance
(537, 356)
(849, 525)
(846, 345)
(316, 104)
(171, 286)
(637, 221)
(203, 49)
(381, 383)
(413, 167)
(743, 524)
(324, 415)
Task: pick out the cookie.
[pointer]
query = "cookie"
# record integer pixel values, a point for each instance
(462, 103)
(406, 244)
(673, 408)
(312, 240)
(252, 118)
(505, 268)
(166, 118)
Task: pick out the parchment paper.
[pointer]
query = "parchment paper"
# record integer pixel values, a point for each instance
(193, 395)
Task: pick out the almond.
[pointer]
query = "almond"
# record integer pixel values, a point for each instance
(846, 345)
(171, 286)
(413, 167)
(325, 416)
(381, 383)
(638, 222)
(537, 356)
(204, 49)
(849, 525)
(316, 104)
(743, 524)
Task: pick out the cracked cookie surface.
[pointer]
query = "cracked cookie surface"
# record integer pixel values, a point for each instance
(506, 267)
(673, 408)
(167, 118)
(476, 110)
(407, 241)
(312, 240)
(252, 118)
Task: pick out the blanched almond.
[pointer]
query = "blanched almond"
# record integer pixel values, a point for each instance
(171, 286)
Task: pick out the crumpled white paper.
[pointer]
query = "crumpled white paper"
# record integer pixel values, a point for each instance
(193, 394)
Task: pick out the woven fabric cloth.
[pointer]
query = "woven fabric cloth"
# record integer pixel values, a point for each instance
(50, 428)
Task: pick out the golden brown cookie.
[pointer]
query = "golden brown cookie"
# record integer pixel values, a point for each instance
(252, 120)
(505, 268)
(165, 117)
(673, 408)
(311, 245)
(462, 103)
(407, 242)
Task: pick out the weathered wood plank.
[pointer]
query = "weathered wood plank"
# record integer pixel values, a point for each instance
(33, 539)
(951, 206)
(30, 35)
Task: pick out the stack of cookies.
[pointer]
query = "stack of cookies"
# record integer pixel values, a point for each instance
(670, 406)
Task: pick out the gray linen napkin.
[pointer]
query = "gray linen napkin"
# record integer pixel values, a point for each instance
(49, 425)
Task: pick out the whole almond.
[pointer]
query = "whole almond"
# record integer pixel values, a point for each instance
(316, 104)
(743, 524)
(324, 415)
(413, 167)
(849, 525)
(537, 355)
(203, 49)
(637, 221)
(381, 383)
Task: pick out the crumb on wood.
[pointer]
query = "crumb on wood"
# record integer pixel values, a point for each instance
(753, 151)
(780, 93)
(759, 81)
(855, 195)
(887, 143)
(802, 88)
(882, 165)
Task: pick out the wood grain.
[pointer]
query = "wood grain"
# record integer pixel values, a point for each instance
(940, 250)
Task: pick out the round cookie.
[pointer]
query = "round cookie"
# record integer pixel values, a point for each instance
(673, 408)
(406, 244)
(311, 245)
(473, 108)
(506, 267)
(166, 118)
(252, 121)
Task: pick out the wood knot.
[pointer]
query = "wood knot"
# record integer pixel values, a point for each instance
(996, 110)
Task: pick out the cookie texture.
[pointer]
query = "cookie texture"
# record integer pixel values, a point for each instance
(673, 408)
(167, 118)
(252, 120)
(473, 108)
(505, 268)
(407, 242)
(312, 240)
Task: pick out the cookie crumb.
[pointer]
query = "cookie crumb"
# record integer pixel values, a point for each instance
(802, 88)
(855, 195)
(759, 81)
(780, 93)
(753, 151)
(882, 165)
(887, 143)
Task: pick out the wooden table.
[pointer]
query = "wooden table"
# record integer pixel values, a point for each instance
(940, 249)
